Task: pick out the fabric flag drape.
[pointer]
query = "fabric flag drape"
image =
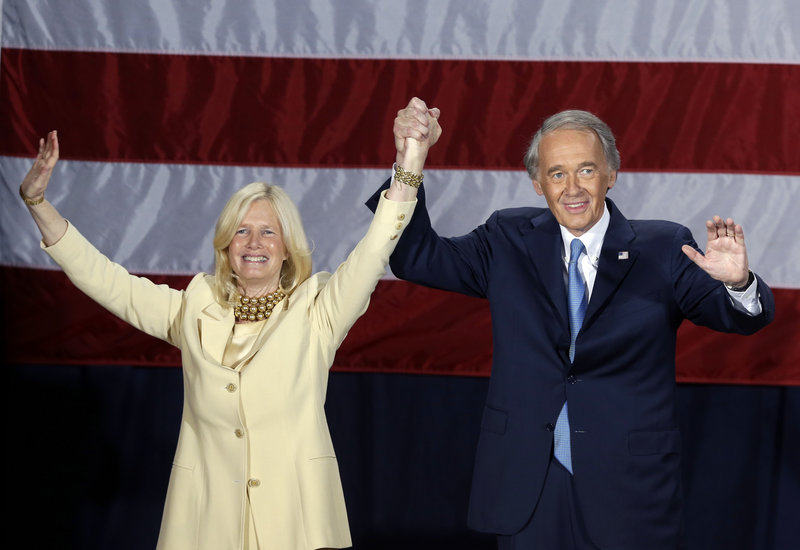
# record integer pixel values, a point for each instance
(165, 107)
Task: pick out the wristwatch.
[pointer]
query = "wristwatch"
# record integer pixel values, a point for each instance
(750, 279)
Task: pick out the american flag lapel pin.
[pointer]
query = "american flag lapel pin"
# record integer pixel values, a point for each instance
(622, 255)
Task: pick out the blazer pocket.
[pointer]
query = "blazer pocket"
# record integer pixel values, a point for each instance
(322, 457)
(654, 443)
(176, 466)
(494, 420)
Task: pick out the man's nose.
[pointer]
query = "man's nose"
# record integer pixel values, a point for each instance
(571, 185)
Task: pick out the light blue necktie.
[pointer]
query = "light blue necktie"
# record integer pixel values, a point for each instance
(576, 298)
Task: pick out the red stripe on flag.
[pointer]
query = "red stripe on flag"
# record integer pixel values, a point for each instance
(407, 329)
(339, 112)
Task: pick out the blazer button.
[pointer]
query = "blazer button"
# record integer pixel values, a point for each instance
(549, 427)
(231, 388)
(253, 482)
(401, 217)
(571, 379)
(238, 433)
(399, 226)
(393, 237)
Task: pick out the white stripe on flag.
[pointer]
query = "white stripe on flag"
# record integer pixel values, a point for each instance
(753, 31)
(158, 218)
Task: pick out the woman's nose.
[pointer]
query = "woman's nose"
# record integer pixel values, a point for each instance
(254, 241)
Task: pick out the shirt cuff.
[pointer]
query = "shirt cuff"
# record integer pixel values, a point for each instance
(747, 301)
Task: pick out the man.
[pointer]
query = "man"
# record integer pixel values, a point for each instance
(579, 445)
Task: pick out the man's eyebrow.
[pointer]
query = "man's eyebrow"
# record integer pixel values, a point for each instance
(560, 168)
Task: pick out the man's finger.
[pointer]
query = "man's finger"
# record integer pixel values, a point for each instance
(692, 254)
(711, 230)
(738, 233)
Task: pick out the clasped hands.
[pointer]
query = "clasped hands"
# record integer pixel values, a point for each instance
(416, 129)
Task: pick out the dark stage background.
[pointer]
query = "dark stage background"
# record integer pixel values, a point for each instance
(88, 454)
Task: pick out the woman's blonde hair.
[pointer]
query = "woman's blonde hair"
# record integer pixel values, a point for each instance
(297, 266)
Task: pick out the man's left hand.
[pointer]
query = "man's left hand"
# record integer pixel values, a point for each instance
(726, 255)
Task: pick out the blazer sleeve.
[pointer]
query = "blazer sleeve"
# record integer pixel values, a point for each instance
(459, 264)
(345, 296)
(151, 308)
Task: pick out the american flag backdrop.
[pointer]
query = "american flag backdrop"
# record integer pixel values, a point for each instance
(165, 107)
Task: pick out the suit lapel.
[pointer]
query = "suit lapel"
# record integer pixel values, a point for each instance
(215, 325)
(544, 243)
(266, 330)
(616, 258)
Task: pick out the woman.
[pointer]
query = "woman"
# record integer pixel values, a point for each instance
(254, 465)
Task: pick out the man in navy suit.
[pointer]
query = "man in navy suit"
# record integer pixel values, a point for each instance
(579, 445)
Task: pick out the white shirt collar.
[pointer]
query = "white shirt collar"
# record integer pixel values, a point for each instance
(592, 239)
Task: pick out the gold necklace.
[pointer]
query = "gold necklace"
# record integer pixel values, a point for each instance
(256, 308)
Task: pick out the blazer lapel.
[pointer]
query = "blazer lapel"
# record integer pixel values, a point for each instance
(215, 325)
(616, 259)
(266, 330)
(544, 243)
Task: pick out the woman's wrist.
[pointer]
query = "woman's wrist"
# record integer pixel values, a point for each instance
(31, 201)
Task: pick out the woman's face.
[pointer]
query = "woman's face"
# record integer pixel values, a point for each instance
(257, 251)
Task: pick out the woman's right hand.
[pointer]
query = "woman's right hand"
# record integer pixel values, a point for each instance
(35, 182)
(51, 224)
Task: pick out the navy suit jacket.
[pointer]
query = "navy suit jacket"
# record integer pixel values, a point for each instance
(620, 387)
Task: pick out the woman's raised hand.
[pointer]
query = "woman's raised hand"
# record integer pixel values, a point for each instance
(35, 182)
(51, 224)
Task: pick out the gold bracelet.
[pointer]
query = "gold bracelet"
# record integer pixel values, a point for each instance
(30, 202)
(409, 178)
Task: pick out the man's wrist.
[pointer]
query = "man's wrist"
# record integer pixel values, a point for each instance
(745, 286)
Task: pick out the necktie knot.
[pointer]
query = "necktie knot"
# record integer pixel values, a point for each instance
(576, 248)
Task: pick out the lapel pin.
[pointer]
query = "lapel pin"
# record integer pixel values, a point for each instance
(622, 255)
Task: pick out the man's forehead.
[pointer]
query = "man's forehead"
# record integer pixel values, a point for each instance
(569, 141)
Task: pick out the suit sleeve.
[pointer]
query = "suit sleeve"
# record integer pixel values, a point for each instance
(706, 302)
(459, 264)
(151, 308)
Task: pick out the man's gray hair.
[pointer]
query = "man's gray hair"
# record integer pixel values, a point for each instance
(573, 120)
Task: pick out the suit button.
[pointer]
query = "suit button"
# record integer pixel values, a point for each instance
(393, 237)
(549, 427)
(399, 226)
(253, 482)
(571, 379)
(231, 388)
(238, 433)
(401, 217)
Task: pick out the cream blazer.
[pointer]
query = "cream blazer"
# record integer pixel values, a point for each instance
(260, 430)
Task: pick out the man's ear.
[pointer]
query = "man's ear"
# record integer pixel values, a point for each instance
(537, 187)
(612, 179)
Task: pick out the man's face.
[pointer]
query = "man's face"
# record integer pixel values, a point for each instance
(574, 178)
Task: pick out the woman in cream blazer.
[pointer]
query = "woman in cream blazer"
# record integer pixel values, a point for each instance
(254, 466)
